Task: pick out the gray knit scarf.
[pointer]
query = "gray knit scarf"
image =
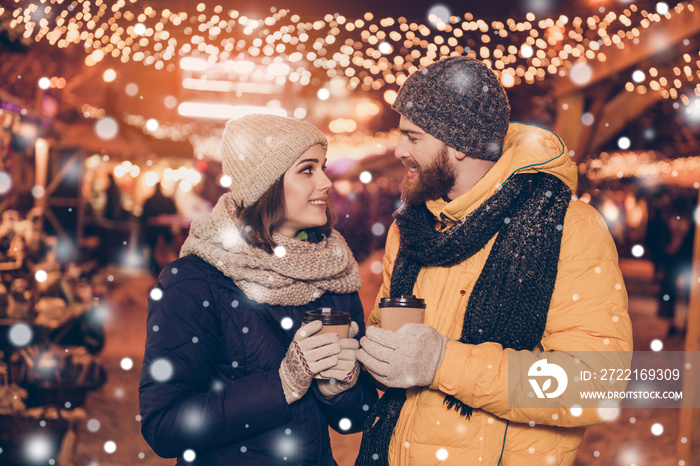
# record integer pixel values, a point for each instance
(297, 273)
(510, 300)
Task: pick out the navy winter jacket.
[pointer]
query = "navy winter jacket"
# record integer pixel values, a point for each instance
(210, 381)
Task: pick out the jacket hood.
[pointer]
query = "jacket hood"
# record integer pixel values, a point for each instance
(526, 149)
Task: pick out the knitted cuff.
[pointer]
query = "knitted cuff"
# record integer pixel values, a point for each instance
(333, 387)
(295, 374)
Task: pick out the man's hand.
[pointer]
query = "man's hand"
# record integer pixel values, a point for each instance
(406, 358)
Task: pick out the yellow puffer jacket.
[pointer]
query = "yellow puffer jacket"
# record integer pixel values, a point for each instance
(588, 312)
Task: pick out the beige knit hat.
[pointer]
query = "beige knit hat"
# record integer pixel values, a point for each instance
(256, 150)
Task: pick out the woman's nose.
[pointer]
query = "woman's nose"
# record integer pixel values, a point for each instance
(324, 183)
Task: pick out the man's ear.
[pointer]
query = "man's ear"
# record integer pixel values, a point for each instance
(459, 155)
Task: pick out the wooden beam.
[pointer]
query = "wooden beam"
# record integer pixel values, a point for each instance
(657, 38)
(617, 113)
(689, 423)
(58, 177)
(576, 135)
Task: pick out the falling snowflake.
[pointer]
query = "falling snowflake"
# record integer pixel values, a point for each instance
(161, 370)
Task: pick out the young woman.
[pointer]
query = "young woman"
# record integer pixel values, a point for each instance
(221, 383)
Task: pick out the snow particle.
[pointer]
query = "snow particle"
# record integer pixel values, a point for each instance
(161, 370)
(656, 345)
(441, 454)
(38, 448)
(608, 410)
(365, 407)
(345, 424)
(280, 251)
(576, 410)
(587, 119)
(126, 364)
(657, 429)
(234, 303)
(287, 323)
(506, 220)
(189, 455)
(375, 456)
(195, 339)
(234, 364)
(20, 334)
(156, 294)
(205, 304)
(560, 227)
(288, 431)
(244, 449)
(110, 447)
(378, 229)
(156, 328)
(244, 330)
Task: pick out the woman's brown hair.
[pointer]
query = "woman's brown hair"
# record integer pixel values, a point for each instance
(259, 221)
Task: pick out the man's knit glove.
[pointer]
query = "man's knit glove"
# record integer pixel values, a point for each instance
(406, 358)
(343, 375)
(308, 355)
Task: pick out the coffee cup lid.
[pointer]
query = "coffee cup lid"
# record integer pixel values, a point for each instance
(406, 300)
(328, 316)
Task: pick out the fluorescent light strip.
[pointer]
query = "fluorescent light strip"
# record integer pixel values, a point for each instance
(224, 111)
(227, 86)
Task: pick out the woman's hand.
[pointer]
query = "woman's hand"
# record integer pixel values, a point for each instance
(343, 375)
(308, 354)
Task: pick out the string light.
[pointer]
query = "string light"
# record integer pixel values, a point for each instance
(369, 53)
(647, 164)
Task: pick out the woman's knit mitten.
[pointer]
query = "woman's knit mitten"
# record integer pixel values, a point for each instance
(343, 375)
(308, 355)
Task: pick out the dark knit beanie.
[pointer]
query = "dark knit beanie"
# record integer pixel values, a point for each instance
(460, 101)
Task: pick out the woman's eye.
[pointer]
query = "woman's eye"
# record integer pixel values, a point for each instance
(306, 169)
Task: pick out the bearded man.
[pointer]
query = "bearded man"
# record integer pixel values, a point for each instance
(513, 270)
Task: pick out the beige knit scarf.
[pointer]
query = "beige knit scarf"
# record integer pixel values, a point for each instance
(297, 273)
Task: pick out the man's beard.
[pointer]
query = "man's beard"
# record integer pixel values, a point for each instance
(433, 181)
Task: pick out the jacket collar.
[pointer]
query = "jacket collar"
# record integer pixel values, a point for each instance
(526, 149)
